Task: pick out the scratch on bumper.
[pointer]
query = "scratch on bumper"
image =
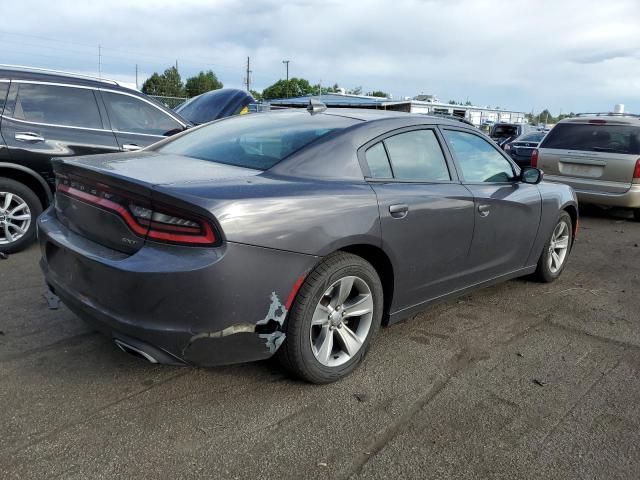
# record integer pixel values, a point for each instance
(269, 328)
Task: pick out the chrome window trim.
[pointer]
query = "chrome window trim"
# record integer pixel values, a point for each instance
(79, 128)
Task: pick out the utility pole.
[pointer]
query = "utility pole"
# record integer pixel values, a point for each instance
(99, 61)
(136, 76)
(286, 62)
(176, 65)
(248, 76)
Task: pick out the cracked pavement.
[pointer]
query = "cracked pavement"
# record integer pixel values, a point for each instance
(521, 380)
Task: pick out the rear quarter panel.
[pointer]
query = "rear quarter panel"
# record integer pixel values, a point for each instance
(297, 215)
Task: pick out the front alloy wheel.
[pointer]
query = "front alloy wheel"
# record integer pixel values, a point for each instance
(556, 251)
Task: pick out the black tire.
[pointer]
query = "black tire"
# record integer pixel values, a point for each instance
(34, 205)
(544, 272)
(636, 214)
(296, 353)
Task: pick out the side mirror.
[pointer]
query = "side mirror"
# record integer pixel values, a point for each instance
(531, 175)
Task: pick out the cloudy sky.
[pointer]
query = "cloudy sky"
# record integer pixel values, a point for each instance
(568, 55)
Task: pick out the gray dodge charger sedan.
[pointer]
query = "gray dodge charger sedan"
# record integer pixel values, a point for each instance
(296, 233)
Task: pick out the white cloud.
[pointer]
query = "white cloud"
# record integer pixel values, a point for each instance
(571, 54)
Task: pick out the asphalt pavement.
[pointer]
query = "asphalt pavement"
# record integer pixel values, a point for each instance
(521, 380)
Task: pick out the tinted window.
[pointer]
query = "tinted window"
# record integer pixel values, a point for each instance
(378, 162)
(594, 137)
(417, 155)
(130, 114)
(504, 131)
(532, 137)
(4, 88)
(478, 159)
(255, 141)
(68, 106)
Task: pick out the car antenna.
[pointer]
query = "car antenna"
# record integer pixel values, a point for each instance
(315, 106)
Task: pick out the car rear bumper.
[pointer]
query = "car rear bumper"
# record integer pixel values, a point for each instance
(627, 199)
(179, 305)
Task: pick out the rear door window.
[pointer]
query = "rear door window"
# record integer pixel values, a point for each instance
(594, 138)
(56, 105)
(417, 156)
(378, 162)
(133, 115)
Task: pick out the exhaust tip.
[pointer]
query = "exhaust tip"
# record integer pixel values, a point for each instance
(125, 347)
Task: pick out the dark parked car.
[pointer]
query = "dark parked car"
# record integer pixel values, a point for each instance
(522, 147)
(294, 233)
(215, 105)
(47, 114)
(503, 133)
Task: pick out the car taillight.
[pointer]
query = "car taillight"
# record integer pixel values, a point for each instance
(534, 158)
(153, 223)
(636, 171)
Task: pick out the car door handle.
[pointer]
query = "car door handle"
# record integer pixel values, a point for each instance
(130, 147)
(399, 211)
(484, 210)
(29, 137)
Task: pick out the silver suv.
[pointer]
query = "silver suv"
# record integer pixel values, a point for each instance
(598, 154)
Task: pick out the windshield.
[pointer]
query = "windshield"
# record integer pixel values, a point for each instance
(532, 137)
(255, 141)
(504, 131)
(594, 137)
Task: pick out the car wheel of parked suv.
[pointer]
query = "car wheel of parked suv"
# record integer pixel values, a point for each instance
(556, 250)
(336, 313)
(19, 209)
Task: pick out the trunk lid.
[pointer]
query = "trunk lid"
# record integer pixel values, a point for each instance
(113, 199)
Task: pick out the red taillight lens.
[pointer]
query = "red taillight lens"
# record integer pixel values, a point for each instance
(154, 224)
(636, 171)
(534, 158)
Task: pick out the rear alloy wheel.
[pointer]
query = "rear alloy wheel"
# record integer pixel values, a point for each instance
(556, 251)
(333, 319)
(19, 209)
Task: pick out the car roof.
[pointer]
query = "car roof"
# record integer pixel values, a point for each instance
(369, 115)
(40, 74)
(609, 118)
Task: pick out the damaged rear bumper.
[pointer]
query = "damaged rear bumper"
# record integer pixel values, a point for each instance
(176, 305)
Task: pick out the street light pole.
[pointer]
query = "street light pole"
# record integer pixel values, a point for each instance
(286, 62)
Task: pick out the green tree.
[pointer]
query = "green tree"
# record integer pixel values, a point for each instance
(452, 102)
(295, 87)
(318, 89)
(378, 93)
(256, 94)
(168, 84)
(201, 83)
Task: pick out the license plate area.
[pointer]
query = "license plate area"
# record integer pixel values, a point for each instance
(578, 170)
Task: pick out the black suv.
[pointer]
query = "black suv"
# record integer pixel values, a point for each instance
(45, 114)
(503, 133)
